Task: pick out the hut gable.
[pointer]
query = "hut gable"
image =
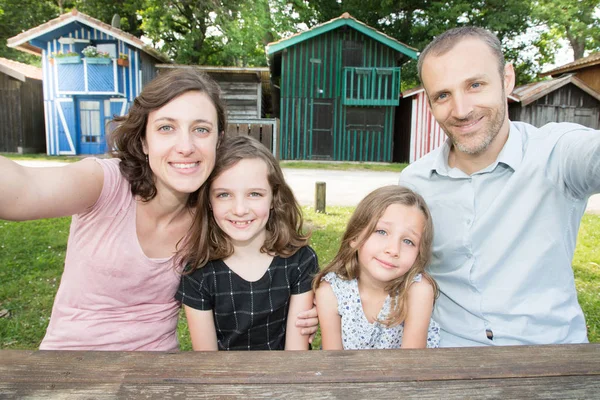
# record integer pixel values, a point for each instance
(587, 69)
(83, 93)
(336, 86)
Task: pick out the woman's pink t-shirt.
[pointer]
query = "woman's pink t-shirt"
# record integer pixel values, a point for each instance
(111, 296)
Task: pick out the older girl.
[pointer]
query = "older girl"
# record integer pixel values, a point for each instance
(249, 267)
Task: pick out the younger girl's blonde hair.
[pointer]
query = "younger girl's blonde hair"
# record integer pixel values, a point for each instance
(360, 227)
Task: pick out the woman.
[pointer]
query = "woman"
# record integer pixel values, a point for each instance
(129, 214)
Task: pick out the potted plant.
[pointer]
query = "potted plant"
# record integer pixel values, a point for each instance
(123, 60)
(93, 56)
(69, 57)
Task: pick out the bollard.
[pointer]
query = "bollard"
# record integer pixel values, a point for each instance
(320, 197)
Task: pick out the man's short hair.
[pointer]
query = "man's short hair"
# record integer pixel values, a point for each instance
(447, 40)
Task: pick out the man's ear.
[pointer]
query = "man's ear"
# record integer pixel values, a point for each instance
(509, 78)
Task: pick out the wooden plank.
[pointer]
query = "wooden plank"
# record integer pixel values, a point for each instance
(254, 131)
(305, 367)
(567, 387)
(267, 136)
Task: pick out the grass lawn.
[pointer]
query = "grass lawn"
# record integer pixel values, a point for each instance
(32, 255)
(340, 166)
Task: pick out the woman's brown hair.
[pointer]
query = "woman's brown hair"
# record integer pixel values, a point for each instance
(207, 241)
(361, 225)
(126, 140)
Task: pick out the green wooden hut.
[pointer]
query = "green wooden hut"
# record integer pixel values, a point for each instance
(337, 86)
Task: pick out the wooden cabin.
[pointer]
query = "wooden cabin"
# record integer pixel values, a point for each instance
(336, 87)
(564, 99)
(21, 108)
(83, 93)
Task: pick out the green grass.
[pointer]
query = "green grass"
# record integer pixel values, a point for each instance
(340, 166)
(32, 255)
(16, 156)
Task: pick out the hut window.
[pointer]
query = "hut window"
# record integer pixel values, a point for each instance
(89, 115)
(365, 119)
(352, 53)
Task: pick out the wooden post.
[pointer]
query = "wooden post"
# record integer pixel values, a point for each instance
(320, 194)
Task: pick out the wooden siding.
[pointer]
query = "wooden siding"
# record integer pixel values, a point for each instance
(242, 94)
(311, 80)
(21, 113)
(591, 76)
(567, 104)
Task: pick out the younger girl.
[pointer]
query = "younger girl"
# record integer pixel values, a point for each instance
(248, 263)
(375, 293)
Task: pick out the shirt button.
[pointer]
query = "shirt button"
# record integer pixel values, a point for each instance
(468, 222)
(469, 255)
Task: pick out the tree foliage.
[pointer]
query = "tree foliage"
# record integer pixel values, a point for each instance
(577, 21)
(234, 33)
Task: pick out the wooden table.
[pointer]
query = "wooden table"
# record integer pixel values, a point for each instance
(549, 372)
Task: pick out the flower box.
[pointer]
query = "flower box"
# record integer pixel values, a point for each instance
(122, 62)
(98, 60)
(68, 60)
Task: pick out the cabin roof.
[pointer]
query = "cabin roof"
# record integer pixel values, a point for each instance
(529, 93)
(19, 70)
(589, 61)
(63, 24)
(343, 20)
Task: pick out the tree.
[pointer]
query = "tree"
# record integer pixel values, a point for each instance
(417, 22)
(105, 10)
(577, 21)
(20, 16)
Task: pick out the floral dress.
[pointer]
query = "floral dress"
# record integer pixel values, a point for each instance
(357, 331)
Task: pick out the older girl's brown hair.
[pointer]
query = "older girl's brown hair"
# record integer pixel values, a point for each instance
(126, 140)
(361, 225)
(208, 242)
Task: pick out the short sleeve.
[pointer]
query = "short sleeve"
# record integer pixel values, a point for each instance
(194, 292)
(307, 267)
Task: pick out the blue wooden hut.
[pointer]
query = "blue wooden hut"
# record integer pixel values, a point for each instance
(82, 94)
(337, 86)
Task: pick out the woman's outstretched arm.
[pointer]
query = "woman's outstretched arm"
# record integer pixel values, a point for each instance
(31, 193)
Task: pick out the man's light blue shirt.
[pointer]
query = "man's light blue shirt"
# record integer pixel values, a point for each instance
(504, 237)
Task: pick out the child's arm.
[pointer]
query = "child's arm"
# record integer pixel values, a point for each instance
(329, 319)
(201, 325)
(416, 324)
(294, 339)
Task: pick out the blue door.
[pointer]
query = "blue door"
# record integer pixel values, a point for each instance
(91, 135)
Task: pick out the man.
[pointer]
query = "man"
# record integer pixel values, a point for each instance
(506, 200)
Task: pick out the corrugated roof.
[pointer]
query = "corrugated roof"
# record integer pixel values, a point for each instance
(25, 70)
(21, 41)
(589, 61)
(529, 93)
(344, 19)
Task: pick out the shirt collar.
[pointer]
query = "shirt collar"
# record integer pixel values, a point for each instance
(510, 155)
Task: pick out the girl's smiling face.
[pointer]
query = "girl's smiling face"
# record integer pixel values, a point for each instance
(241, 200)
(181, 141)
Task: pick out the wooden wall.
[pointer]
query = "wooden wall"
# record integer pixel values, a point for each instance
(242, 94)
(566, 104)
(21, 115)
(591, 76)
